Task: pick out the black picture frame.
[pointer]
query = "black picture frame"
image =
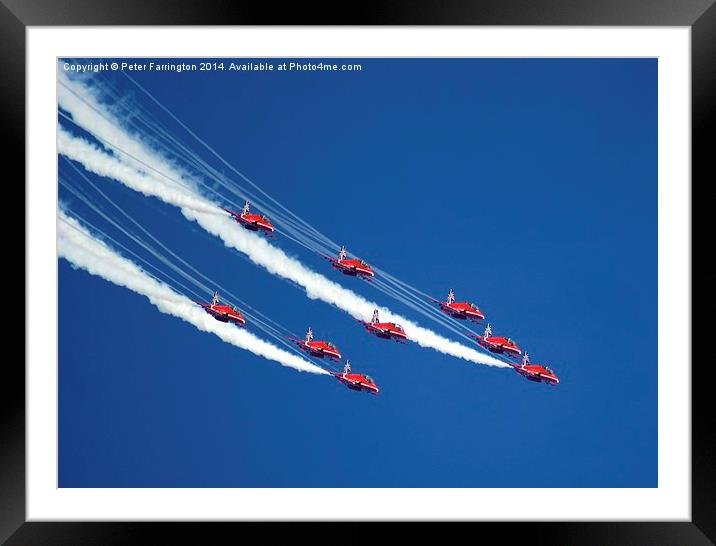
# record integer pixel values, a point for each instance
(16, 15)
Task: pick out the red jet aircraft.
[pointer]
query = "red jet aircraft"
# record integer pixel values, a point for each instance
(497, 344)
(536, 372)
(254, 222)
(350, 266)
(356, 381)
(316, 347)
(386, 330)
(224, 313)
(459, 310)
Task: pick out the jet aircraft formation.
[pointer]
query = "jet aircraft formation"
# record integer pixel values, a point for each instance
(293, 227)
(355, 267)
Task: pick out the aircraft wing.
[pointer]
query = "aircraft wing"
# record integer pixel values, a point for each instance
(375, 328)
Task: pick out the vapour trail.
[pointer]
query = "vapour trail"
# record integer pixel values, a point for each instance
(255, 247)
(173, 282)
(85, 103)
(165, 256)
(309, 238)
(99, 163)
(84, 251)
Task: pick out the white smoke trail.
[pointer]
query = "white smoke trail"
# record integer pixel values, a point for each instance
(102, 164)
(258, 319)
(84, 251)
(255, 247)
(96, 98)
(88, 110)
(98, 162)
(317, 286)
(278, 263)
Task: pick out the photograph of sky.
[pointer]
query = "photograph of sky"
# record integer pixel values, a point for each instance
(527, 186)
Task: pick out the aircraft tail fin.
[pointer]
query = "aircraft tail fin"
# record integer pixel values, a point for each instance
(451, 296)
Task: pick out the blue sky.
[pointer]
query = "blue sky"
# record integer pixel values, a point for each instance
(528, 186)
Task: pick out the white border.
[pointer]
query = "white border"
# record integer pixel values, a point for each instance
(670, 501)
